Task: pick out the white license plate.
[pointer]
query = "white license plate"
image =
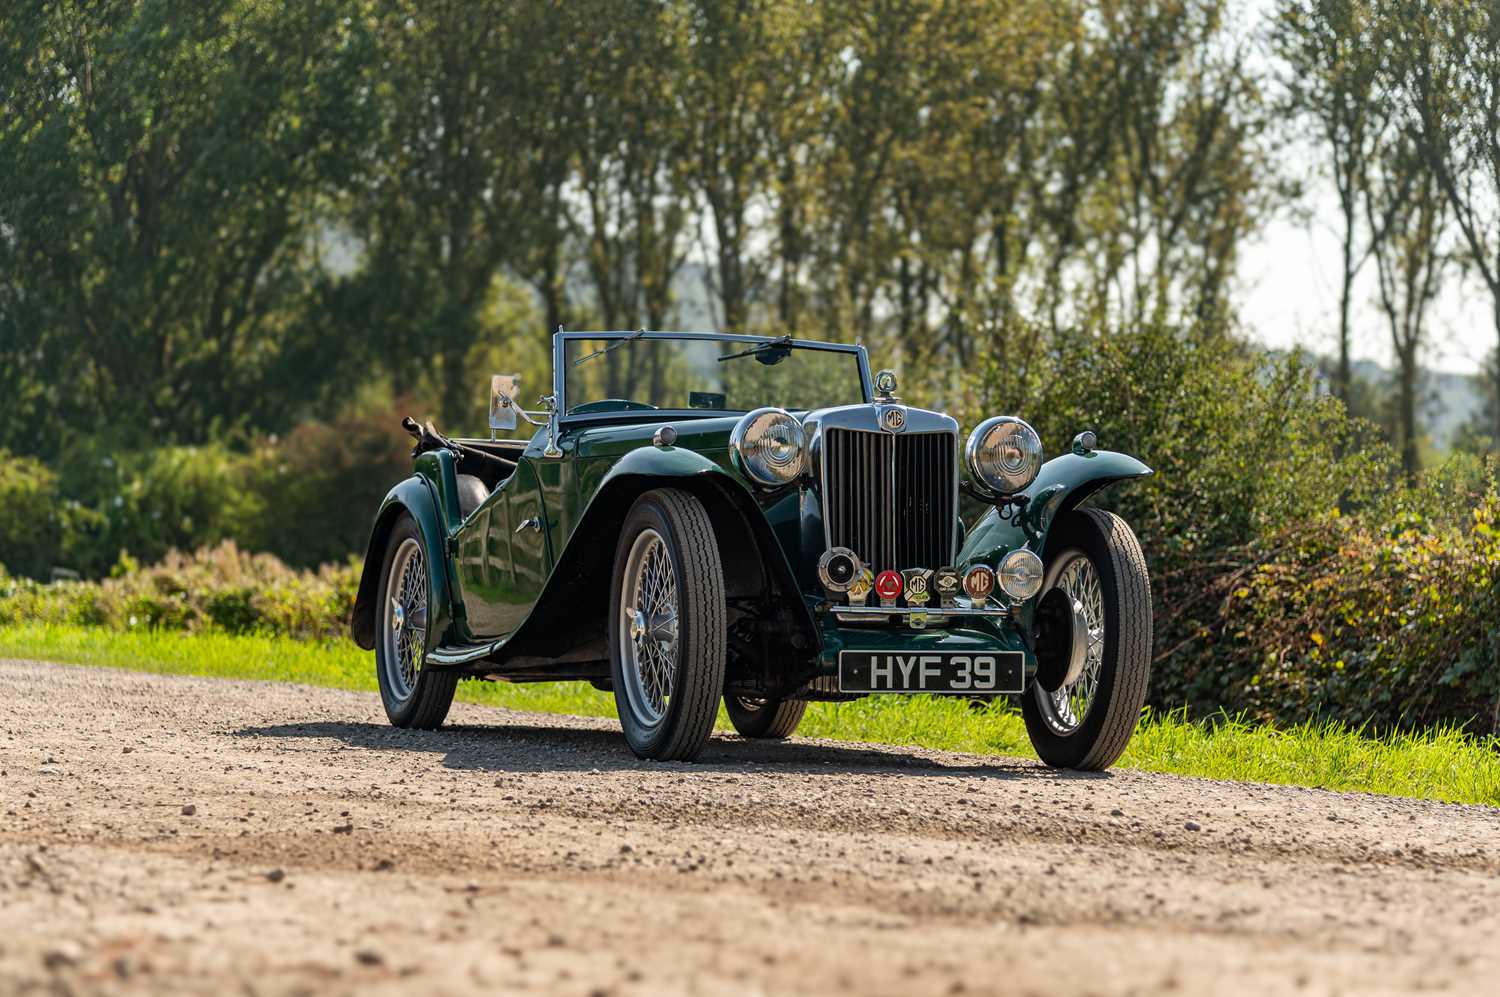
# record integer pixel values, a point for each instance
(941, 672)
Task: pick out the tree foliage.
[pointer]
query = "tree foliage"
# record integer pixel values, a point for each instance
(163, 164)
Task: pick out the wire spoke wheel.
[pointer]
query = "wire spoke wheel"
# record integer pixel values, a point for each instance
(404, 619)
(648, 628)
(667, 634)
(1065, 709)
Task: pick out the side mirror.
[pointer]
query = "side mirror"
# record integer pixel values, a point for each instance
(503, 389)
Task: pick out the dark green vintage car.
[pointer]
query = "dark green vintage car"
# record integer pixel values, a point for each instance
(703, 516)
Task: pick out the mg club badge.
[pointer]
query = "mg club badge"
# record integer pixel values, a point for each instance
(979, 582)
(917, 592)
(946, 582)
(859, 589)
(888, 587)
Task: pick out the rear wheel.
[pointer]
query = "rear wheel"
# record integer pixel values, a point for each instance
(772, 719)
(414, 696)
(1086, 722)
(667, 632)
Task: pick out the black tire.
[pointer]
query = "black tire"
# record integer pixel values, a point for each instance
(679, 727)
(1123, 667)
(770, 719)
(424, 702)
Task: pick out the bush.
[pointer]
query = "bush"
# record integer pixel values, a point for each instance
(220, 588)
(30, 523)
(1395, 624)
(308, 497)
(148, 503)
(320, 486)
(1291, 577)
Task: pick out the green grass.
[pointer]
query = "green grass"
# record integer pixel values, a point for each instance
(1436, 764)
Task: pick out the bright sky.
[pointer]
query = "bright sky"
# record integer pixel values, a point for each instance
(1290, 297)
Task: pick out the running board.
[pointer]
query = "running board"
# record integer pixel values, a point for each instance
(461, 654)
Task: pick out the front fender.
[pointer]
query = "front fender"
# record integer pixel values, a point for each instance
(418, 497)
(1063, 483)
(660, 462)
(576, 595)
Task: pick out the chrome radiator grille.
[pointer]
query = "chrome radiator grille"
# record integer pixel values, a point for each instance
(890, 498)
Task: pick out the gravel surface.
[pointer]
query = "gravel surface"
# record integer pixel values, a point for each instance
(164, 834)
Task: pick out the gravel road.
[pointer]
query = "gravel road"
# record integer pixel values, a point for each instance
(166, 834)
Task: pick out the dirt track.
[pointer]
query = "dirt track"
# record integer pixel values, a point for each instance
(324, 852)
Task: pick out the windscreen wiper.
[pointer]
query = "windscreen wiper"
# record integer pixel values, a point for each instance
(780, 347)
(611, 347)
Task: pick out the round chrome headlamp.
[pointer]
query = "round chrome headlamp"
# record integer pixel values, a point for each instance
(1004, 454)
(768, 446)
(1020, 574)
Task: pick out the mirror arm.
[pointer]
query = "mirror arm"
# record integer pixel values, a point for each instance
(549, 410)
(510, 403)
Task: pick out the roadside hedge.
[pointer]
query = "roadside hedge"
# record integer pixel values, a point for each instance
(1293, 581)
(220, 588)
(1294, 577)
(1395, 626)
(1390, 627)
(30, 522)
(308, 497)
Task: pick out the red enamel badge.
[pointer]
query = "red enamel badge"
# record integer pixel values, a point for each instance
(888, 584)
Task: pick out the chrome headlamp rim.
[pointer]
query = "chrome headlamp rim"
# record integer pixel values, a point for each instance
(751, 465)
(1020, 574)
(1028, 463)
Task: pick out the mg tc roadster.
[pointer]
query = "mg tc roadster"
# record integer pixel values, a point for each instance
(703, 517)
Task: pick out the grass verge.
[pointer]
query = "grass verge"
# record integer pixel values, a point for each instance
(1436, 764)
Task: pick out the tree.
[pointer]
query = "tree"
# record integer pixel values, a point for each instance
(1450, 76)
(1332, 81)
(1188, 175)
(478, 110)
(725, 100)
(162, 164)
(634, 210)
(1407, 216)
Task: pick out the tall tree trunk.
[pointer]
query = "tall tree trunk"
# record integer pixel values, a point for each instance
(1345, 375)
(1410, 460)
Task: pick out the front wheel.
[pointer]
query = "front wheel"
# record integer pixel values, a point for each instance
(414, 696)
(667, 636)
(1086, 722)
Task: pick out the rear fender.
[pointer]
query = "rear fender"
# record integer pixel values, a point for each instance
(1064, 482)
(418, 496)
(574, 604)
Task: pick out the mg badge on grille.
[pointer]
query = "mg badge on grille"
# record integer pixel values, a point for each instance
(916, 586)
(893, 418)
(946, 582)
(859, 589)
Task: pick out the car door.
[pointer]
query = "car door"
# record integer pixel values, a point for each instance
(503, 556)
